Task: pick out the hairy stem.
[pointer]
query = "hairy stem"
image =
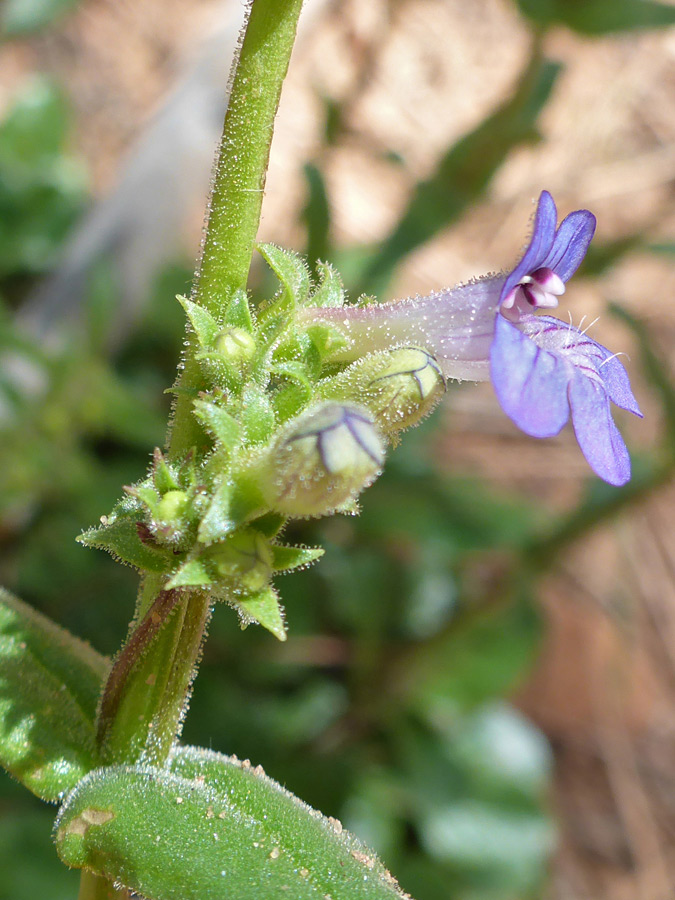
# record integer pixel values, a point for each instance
(239, 183)
(244, 151)
(144, 701)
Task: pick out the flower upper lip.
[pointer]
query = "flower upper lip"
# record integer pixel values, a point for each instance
(551, 258)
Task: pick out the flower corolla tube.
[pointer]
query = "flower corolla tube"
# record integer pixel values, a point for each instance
(541, 368)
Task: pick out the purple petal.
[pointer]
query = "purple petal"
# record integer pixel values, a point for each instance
(571, 243)
(540, 244)
(617, 385)
(599, 438)
(530, 383)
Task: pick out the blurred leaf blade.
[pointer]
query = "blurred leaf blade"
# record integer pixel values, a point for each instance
(596, 17)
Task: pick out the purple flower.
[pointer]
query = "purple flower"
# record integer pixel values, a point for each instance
(541, 368)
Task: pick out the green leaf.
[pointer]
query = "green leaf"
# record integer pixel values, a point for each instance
(211, 828)
(219, 422)
(265, 609)
(119, 535)
(204, 325)
(292, 272)
(330, 291)
(599, 16)
(285, 558)
(22, 16)
(49, 687)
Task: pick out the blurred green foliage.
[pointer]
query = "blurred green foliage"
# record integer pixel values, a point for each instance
(386, 708)
(596, 17)
(20, 17)
(42, 187)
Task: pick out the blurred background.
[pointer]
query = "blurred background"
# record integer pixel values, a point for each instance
(480, 675)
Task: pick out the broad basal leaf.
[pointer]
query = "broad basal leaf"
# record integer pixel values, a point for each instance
(49, 687)
(213, 828)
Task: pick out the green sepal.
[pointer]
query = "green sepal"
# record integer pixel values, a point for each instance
(285, 558)
(211, 827)
(298, 350)
(144, 492)
(193, 573)
(293, 371)
(257, 415)
(330, 291)
(217, 522)
(291, 398)
(239, 312)
(221, 425)
(203, 324)
(119, 535)
(162, 475)
(270, 524)
(327, 339)
(219, 371)
(264, 608)
(292, 272)
(233, 504)
(50, 682)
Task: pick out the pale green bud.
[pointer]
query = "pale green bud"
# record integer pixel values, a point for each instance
(172, 506)
(323, 460)
(399, 386)
(236, 345)
(169, 517)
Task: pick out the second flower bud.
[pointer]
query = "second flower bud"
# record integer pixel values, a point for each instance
(322, 460)
(399, 386)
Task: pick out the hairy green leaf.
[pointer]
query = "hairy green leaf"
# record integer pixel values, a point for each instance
(204, 325)
(210, 828)
(219, 422)
(119, 535)
(49, 687)
(292, 272)
(286, 558)
(330, 291)
(264, 608)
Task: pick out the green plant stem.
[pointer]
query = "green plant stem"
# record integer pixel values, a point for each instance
(240, 172)
(145, 699)
(244, 151)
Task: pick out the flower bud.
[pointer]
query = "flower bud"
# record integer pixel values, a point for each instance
(399, 386)
(236, 345)
(169, 517)
(323, 459)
